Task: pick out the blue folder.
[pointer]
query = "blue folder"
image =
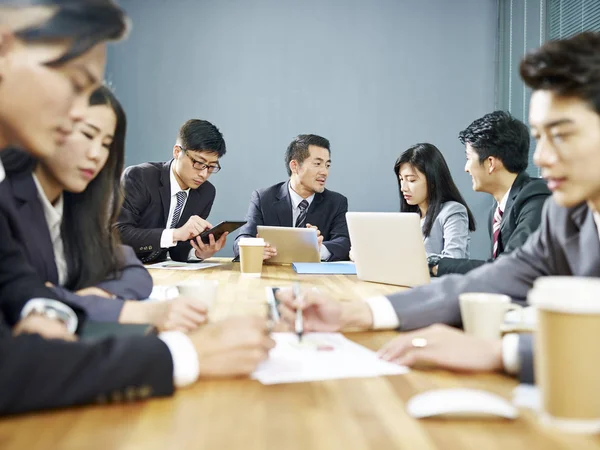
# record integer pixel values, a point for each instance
(325, 268)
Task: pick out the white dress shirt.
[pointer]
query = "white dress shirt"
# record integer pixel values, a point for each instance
(504, 201)
(2, 172)
(296, 199)
(166, 238)
(54, 215)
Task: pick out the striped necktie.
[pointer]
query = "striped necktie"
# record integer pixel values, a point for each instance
(496, 230)
(303, 207)
(181, 195)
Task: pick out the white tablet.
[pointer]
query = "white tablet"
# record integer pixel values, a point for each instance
(292, 244)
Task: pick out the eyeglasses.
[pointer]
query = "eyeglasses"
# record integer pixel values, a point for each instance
(199, 165)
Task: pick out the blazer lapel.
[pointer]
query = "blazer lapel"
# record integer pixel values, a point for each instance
(165, 189)
(314, 211)
(514, 191)
(283, 207)
(30, 211)
(583, 246)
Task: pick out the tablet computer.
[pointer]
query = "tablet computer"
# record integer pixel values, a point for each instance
(292, 244)
(218, 230)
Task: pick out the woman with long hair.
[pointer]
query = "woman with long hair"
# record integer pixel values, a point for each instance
(67, 203)
(426, 187)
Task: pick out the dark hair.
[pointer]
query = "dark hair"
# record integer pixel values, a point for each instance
(428, 160)
(500, 135)
(85, 23)
(200, 135)
(568, 67)
(91, 243)
(298, 148)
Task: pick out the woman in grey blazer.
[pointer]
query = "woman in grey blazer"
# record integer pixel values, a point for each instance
(427, 188)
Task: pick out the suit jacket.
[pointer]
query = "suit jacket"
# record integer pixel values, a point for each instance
(449, 235)
(272, 206)
(40, 374)
(520, 219)
(133, 281)
(566, 243)
(145, 210)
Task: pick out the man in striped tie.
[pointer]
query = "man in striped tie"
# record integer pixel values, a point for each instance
(303, 201)
(166, 204)
(497, 149)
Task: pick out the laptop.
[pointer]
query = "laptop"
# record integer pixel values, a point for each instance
(388, 248)
(292, 244)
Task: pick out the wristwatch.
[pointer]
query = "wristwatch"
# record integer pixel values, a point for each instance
(432, 261)
(52, 309)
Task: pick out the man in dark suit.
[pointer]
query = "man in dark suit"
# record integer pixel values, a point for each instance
(35, 98)
(497, 148)
(564, 116)
(303, 201)
(166, 204)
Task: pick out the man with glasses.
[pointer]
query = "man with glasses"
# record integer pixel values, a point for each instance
(166, 204)
(303, 201)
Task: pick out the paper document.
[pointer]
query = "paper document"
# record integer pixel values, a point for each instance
(325, 268)
(320, 356)
(176, 265)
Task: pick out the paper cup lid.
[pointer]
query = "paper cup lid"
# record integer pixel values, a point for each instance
(571, 295)
(257, 242)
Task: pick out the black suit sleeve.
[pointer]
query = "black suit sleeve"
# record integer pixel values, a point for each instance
(254, 218)
(338, 242)
(526, 372)
(18, 281)
(41, 374)
(181, 251)
(136, 199)
(458, 265)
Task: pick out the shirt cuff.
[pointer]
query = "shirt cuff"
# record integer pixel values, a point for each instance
(510, 353)
(186, 367)
(325, 253)
(52, 309)
(384, 314)
(166, 238)
(192, 255)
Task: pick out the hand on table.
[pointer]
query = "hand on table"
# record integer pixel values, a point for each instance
(446, 348)
(181, 313)
(92, 290)
(232, 347)
(323, 313)
(44, 326)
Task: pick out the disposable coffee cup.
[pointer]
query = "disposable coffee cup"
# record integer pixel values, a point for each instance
(567, 352)
(205, 291)
(251, 256)
(483, 314)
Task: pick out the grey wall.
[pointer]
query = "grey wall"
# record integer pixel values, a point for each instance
(372, 76)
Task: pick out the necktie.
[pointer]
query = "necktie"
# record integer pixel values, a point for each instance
(181, 195)
(496, 230)
(303, 207)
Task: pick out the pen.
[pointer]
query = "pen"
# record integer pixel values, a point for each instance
(299, 324)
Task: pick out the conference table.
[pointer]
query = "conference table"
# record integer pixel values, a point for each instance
(367, 413)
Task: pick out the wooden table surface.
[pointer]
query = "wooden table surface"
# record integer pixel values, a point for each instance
(243, 414)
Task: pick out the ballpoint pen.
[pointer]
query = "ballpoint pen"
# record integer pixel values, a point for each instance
(299, 324)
